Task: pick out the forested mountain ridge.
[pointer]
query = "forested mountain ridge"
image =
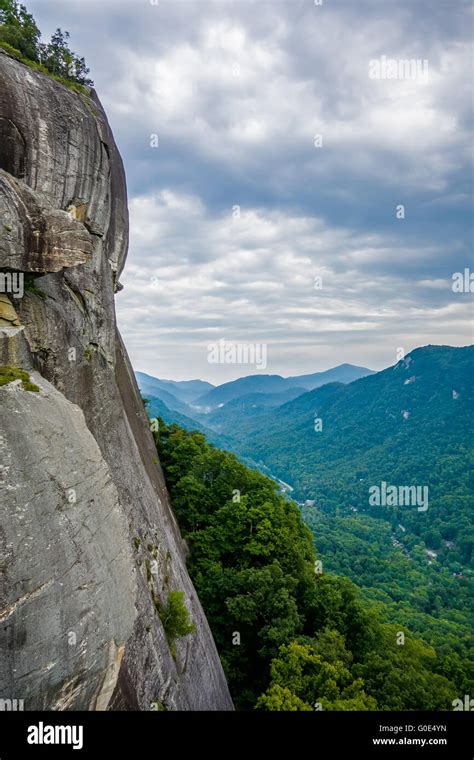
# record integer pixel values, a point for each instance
(223, 407)
(409, 424)
(290, 635)
(156, 407)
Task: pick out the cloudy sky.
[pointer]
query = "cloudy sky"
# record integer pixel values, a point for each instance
(237, 208)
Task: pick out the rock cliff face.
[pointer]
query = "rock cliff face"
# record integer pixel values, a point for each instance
(88, 541)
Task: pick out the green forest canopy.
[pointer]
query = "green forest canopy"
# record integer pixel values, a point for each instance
(290, 637)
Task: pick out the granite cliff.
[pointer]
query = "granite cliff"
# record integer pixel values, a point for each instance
(89, 545)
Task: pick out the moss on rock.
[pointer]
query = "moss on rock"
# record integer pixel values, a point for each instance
(10, 374)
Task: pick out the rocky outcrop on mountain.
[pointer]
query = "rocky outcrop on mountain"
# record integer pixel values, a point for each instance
(90, 549)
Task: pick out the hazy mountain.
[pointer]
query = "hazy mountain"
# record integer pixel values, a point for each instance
(343, 373)
(183, 390)
(167, 398)
(156, 407)
(241, 387)
(222, 394)
(225, 417)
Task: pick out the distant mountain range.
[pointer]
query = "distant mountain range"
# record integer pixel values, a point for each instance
(406, 424)
(216, 406)
(409, 426)
(401, 422)
(182, 390)
(275, 384)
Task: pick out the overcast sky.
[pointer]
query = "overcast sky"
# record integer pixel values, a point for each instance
(237, 211)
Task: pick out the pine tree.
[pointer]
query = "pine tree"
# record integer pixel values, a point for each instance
(19, 32)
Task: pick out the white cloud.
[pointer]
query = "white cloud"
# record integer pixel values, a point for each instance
(244, 97)
(251, 282)
(236, 92)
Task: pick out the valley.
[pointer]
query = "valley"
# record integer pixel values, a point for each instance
(409, 425)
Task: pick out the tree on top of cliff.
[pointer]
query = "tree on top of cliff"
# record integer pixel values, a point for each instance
(60, 60)
(18, 30)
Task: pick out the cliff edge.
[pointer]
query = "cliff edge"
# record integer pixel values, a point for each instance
(89, 546)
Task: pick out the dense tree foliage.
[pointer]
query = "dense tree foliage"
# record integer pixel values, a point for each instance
(410, 425)
(290, 637)
(393, 569)
(19, 33)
